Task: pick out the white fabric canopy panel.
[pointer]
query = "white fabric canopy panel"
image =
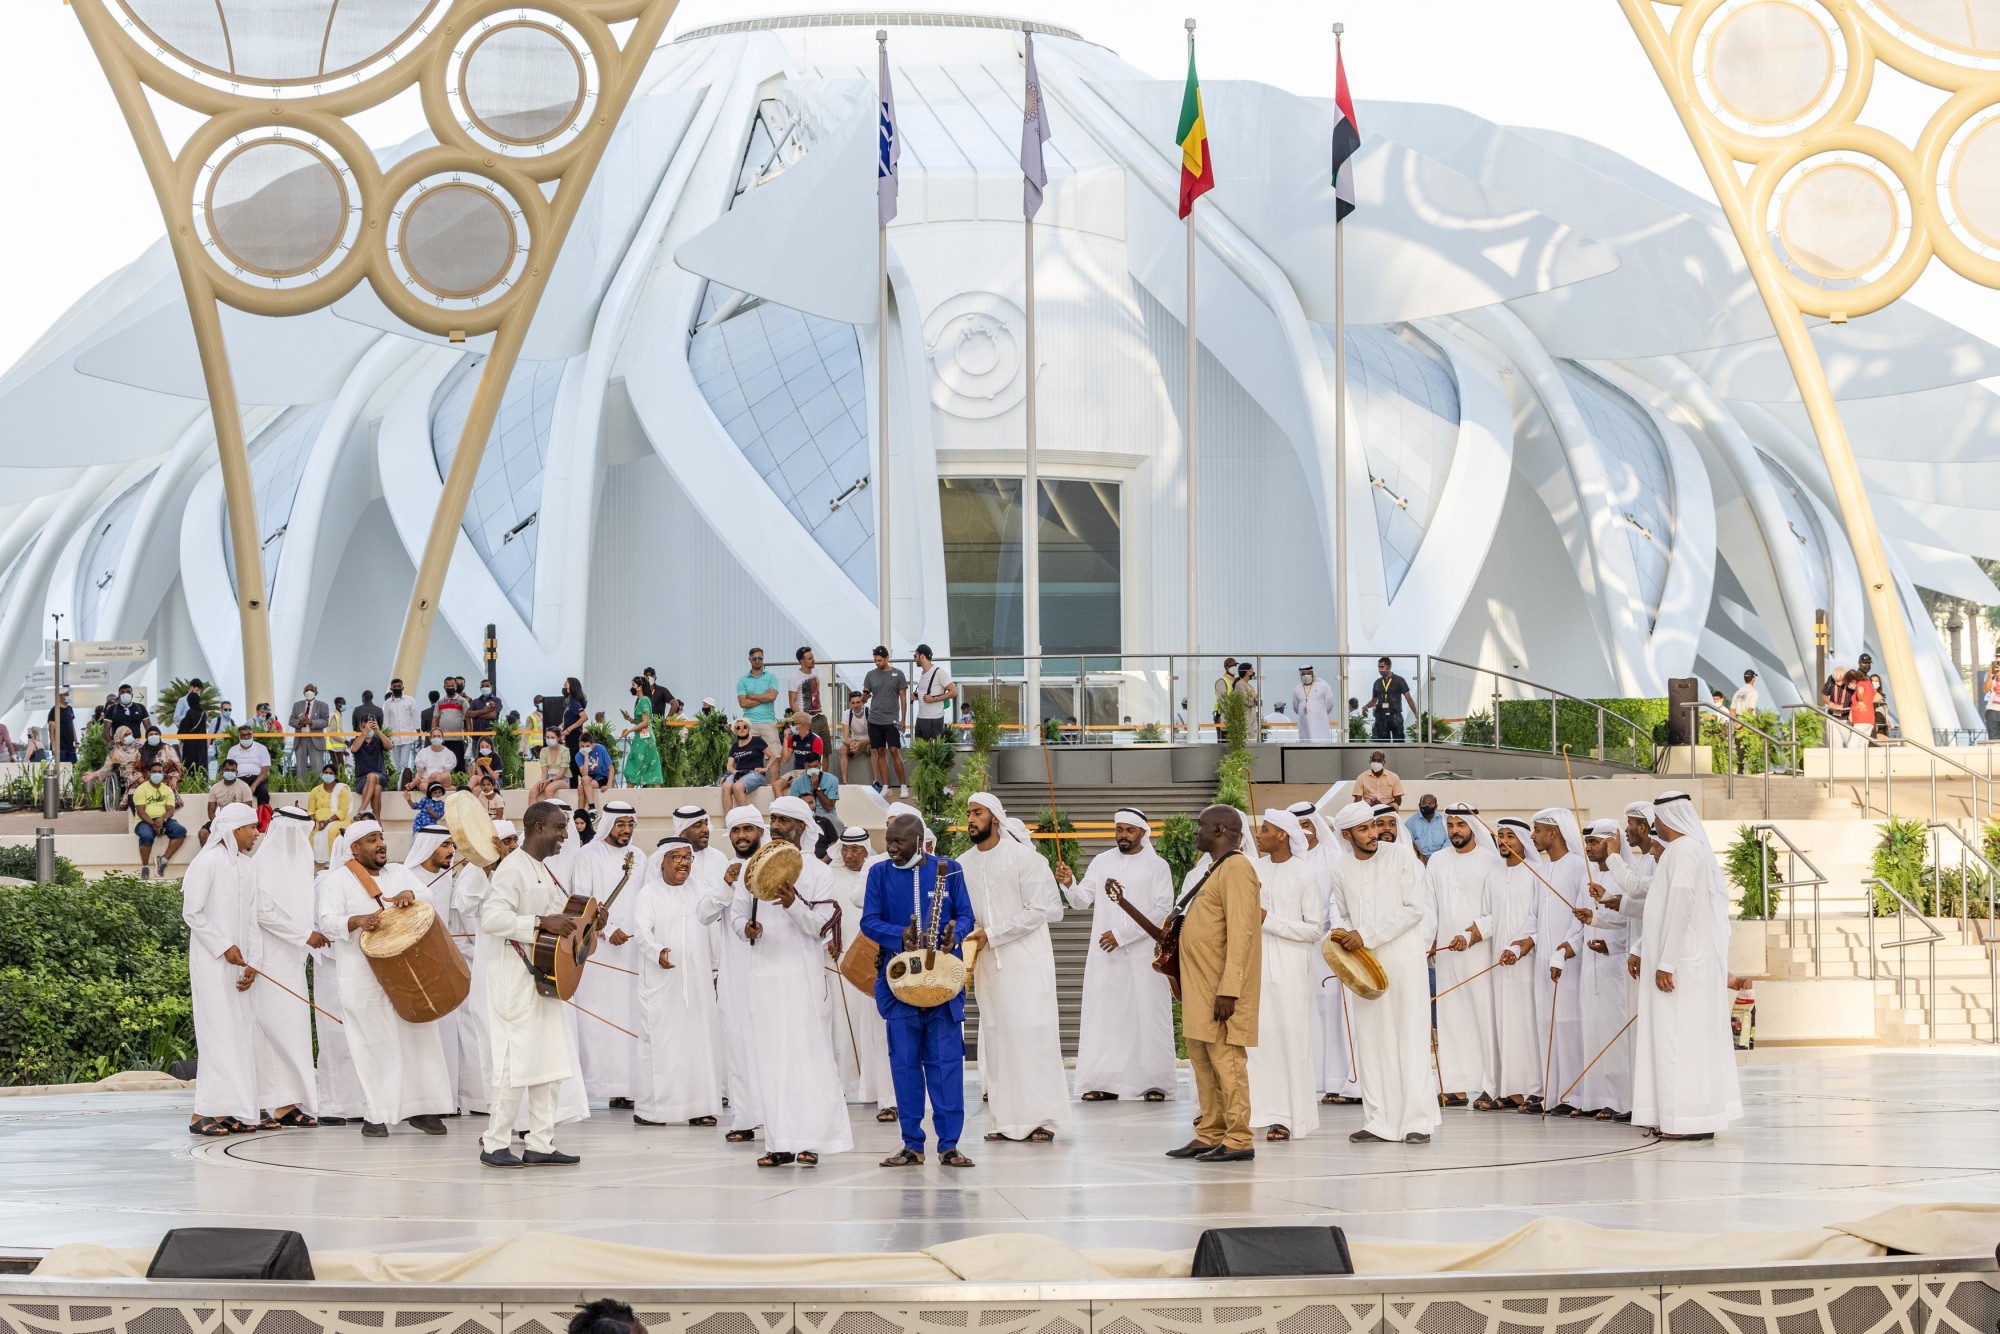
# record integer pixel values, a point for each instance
(295, 43)
(1635, 461)
(1405, 409)
(501, 520)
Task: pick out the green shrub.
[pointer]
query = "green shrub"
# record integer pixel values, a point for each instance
(989, 721)
(19, 863)
(1053, 850)
(1899, 859)
(1740, 863)
(707, 750)
(1477, 730)
(1149, 734)
(1235, 721)
(94, 747)
(929, 762)
(168, 706)
(507, 750)
(1175, 843)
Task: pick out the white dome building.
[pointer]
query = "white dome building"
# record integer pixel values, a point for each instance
(1576, 451)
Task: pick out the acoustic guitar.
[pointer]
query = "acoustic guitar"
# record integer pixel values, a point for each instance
(557, 962)
(1166, 940)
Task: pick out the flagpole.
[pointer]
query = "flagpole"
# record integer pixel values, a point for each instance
(882, 386)
(1031, 487)
(1193, 532)
(1340, 434)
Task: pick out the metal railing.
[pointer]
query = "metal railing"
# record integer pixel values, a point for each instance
(1732, 755)
(1858, 739)
(1905, 910)
(1618, 739)
(1968, 856)
(1766, 832)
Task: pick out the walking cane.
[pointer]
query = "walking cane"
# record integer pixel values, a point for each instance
(1600, 1055)
(1548, 1058)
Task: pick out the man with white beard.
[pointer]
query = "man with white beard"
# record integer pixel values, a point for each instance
(804, 1114)
(1605, 1087)
(1458, 877)
(1014, 901)
(1381, 898)
(1518, 901)
(1559, 981)
(860, 1034)
(1684, 1077)
(219, 905)
(400, 1065)
(475, 1028)
(732, 978)
(1125, 1036)
(609, 989)
(1336, 1079)
(427, 868)
(282, 871)
(680, 1062)
(1282, 1096)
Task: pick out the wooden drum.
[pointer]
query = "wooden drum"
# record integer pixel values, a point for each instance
(1358, 970)
(417, 964)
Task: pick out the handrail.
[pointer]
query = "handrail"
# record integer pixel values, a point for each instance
(1966, 853)
(1695, 709)
(1904, 911)
(1968, 770)
(1431, 662)
(1767, 831)
(1867, 744)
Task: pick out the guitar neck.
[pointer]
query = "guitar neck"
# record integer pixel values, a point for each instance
(619, 888)
(1132, 911)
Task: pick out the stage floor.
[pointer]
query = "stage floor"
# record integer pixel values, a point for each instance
(1829, 1135)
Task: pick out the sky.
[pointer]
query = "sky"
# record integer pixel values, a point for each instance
(1569, 65)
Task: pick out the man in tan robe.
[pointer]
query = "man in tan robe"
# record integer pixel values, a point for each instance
(1222, 965)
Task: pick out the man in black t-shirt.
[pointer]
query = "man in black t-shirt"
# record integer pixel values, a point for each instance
(1385, 703)
(663, 701)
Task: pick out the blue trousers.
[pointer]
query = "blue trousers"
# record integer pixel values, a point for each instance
(927, 1056)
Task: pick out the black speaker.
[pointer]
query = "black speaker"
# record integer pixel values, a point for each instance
(1682, 691)
(1270, 1252)
(231, 1252)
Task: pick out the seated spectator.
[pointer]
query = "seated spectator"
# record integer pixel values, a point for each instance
(230, 788)
(432, 762)
(803, 743)
(485, 762)
(429, 809)
(331, 806)
(117, 773)
(253, 766)
(153, 804)
(593, 772)
(554, 757)
(487, 785)
(746, 771)
(818, 788)
(154, 750)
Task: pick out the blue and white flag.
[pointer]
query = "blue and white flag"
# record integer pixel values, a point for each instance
(891, 151)
(1034, 133)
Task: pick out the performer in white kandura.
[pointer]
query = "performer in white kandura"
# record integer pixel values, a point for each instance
(427, 869)
(1604, 1089)
(609, 992)
(534, 1050)
(475, 1025)
(1381, 897)
(219, 905)
(804, 1114)
(1125, 1036)
(282, 870)
(1632, 874)
(1458, 878)
(732, 979)
(1282, 1093)
(340, 1099)
(1334, 1074)
(1014, 901)
(400, 1065)
(1684, 1078)
(1519, 900)
(860, 1035)
(1559, 979)
(680, 1029)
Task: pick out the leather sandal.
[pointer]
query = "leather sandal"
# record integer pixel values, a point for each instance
(740, 1136)
(297, 1119)
(1277, 1134)
(903, 1158)
(209, 1127)
(1098, 1095)
(696, 1120)
(1156, 1095)
(886, 1115)
(953, 1158)
(1041, 1135)
(807, 1159)
(775, 1160)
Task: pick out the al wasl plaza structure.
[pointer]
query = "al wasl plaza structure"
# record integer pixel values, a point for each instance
(1576, 445)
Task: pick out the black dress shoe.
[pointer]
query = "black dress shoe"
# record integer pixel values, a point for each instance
(1194, 1148)
(430, 1125)
(1220, 1154)
(333, 1120)
(1416, 1137)
(621, 1104)
(504, 1158)
(1365, 1137)
(374, 1130)
(551, 1159)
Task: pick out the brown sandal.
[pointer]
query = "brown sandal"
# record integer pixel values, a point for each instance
(1277, 1134)
(1098, 1095)
(953, 1158)
(1041, 1135)
(806, 1159)
(740, 1136)
(775, 1160)
(904, 1157)
(886, 1115)
(696, 1120)
(1156, 1095)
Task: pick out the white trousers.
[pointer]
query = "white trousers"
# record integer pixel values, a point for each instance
(541, 1100)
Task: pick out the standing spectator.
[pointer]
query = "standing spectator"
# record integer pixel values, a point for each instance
(125, 711)
(484, 715)
(310, 720)
(1379, 786)
(1836, 696)
(665, 703)
(803, 695)
(449, 717)
(1990, 697)
(854, 731)
(1861, 704)
(642, 750)
(1744, 702)
(337, 721)
(935, 690)
(401, 719)
(367, 711)
(429, 715)
(1881, 705)
(749, 758)
(224, 726)
(1386, 699)
(62, 727)
(757, 694)
(1427, 831)
(253, 764)
(569, 725)
(154, 804)
(192, 724)
(534, 724)
(8, 750)
(887, 690)
(367, 748)
(1252, 691)
(1313, 707)
(1225, 685)
(37, 752)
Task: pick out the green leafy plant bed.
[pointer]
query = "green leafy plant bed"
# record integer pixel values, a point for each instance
(1740, 862)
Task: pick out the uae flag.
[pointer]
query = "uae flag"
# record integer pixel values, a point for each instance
(1197, 171)
(1346, 141)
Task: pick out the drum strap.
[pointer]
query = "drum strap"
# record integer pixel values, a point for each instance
(367, 880)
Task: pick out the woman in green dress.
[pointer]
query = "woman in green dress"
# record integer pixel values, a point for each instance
(642, 756)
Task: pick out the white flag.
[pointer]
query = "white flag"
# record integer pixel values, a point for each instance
(886, 176)
(1034, 133)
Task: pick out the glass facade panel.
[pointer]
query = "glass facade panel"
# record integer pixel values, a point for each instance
(981, 517)
(1080, 561)
(1080, 570)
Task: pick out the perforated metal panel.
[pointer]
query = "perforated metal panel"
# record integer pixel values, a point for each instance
(1886, 1307)
(1604, 1311)
(1236, 1316)
(1024, 1318)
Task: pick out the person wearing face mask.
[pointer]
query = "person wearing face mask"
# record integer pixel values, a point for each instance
(154, 804)
(433, 763)
(1427, 831)
(554, 759)
(1379, 786)
(484, 762)
(230, 788)
(642, 754)
(330, 806)
(1313, 707)
(400, 719)
(154, 752)
(125, 711)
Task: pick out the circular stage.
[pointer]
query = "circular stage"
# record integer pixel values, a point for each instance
(1828, 1135)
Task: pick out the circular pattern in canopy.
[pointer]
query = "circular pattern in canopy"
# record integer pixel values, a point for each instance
(523, 83)
(1769, 67)
(1965, 32)
(1968, 184)
(293, 48)
(275, 207)
(1839, 219)
(457, 240)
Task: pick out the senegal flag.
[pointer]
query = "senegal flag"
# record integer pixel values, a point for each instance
(1197, 172)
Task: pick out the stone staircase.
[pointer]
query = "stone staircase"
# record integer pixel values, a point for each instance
(1911, 1002)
